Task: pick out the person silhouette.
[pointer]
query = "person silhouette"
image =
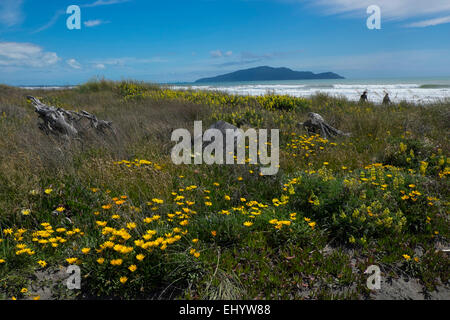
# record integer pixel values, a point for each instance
(363, 97)
(386, 99)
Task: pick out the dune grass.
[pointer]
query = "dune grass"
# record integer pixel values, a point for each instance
(141, 227)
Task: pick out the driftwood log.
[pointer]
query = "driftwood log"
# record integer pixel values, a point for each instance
(222, 126)
(67, 123)
(316, 124)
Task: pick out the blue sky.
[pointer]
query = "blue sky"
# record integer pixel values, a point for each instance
(183, 40)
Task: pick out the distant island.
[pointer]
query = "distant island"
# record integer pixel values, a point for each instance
(268, 73)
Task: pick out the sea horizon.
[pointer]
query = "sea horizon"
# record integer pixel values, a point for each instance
(411, 89)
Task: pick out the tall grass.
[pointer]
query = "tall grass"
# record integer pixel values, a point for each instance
(268, 259)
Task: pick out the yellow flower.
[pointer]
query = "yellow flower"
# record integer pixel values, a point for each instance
(406, 257)
(60, 209)
(132, 268)
(131, 225)
(248, 223)
(194, 240)
(48, 191)
(123, 280)
(403, 147)
(312, 224)
(24, 290)
(100, 260)
(214, 233)
(37, 298)
(140, 257)
(42, 263)
(227, 198)
(416, 259)
(197, 254)
(85, 250)
(116, 262)
(101, 223)
(2, 261)
(26, 212)
(240, 179)
(71, 260)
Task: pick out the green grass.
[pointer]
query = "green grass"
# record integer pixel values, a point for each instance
(379, 197)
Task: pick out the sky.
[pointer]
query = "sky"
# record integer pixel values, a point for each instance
(184, 40)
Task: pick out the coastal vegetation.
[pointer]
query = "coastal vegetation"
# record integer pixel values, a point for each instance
(139, 226)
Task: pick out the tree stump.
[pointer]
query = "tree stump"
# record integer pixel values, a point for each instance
(67, 123)
(222, 126)
(316, 124)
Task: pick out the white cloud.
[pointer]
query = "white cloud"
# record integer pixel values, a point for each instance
(25, 55)
(11, 12)
(390, 9)
(74, 63)
(51, 22)
(100, 66)
(429, 22)
(127, 61)
(216, 54)
(99, 3)
(94, 23)
(219, 53)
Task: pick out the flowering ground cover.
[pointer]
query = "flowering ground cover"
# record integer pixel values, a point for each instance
(139, 226)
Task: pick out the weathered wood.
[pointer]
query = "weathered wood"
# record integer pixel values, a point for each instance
(66, 123)
(316, 124)
(222, 126)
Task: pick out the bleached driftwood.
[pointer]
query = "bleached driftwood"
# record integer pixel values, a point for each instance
(316, 124)
(222, 126)
(66, 123)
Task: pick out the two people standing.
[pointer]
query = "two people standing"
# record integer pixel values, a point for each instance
(364, 98)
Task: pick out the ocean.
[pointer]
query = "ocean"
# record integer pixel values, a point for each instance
(425, 90)
(417, 90)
